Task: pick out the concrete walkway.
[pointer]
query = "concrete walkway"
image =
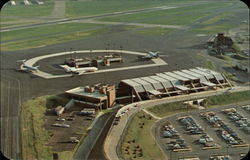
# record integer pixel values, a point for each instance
(114, 137)
(32, 61)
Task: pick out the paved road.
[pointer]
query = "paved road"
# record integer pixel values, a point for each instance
(114, 137)
(10, 111)
(59, 9)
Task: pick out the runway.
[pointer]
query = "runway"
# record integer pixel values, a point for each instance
(10, 120)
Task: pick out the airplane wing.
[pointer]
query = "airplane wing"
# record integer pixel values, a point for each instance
(80, 72)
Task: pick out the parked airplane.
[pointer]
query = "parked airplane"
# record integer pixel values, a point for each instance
(150, 55)
(79, 71)
(25, 67)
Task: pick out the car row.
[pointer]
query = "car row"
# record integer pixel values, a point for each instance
(238, 118)
(228, 134)
(175, 142)
(190, 125)
(246, 107)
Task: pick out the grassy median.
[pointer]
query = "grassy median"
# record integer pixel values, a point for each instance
(228, 98)
(34, 136)
(212, 101)
(50, 39)
(138, 142)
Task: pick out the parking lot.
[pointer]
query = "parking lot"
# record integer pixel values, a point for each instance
(67, 129)
(206, 134)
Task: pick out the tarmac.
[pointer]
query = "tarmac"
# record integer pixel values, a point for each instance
(158, 62)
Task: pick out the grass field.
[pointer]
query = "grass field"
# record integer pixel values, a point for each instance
(46, 30)
(43, 40)
(176, 16)
(34, 136)
(214, 29)
(228, 98)
(141, 137)
(154, 31)
(28, 11)
(85, 8)
(169, 109)
(212, 101)
(217, 18)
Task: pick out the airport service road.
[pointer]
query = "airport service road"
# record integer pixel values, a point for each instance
(32, 61)
(116, 132)
(10, 130)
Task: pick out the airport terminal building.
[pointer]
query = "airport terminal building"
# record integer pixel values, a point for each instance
(170, 84)
(98, 97)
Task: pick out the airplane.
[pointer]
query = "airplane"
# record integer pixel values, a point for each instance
(25, 67)
(78, 71)
(150, 55)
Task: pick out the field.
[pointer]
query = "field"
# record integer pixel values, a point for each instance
(176, 16)
(28, 11)
(155, 31)
(37, 38)
(169, 109)
(228, 98)
(212, 101)
(85, 8)
(34, 137)
(46, 31)
(140, 137)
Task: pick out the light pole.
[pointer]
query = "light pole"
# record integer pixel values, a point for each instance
(175, 66)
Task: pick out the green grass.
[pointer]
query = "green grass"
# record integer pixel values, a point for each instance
(175, 16)
(209, 64)
(50, 40)
(3, 25)
(85, 8)
(205, 62)
(169, 109)
(66, 155)
(213, 29)
(46, 30)
(154, 31)
(217, 18)
(142, 137)
(212, 101)
(34, 136)
(228, 98)
(28, 11)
